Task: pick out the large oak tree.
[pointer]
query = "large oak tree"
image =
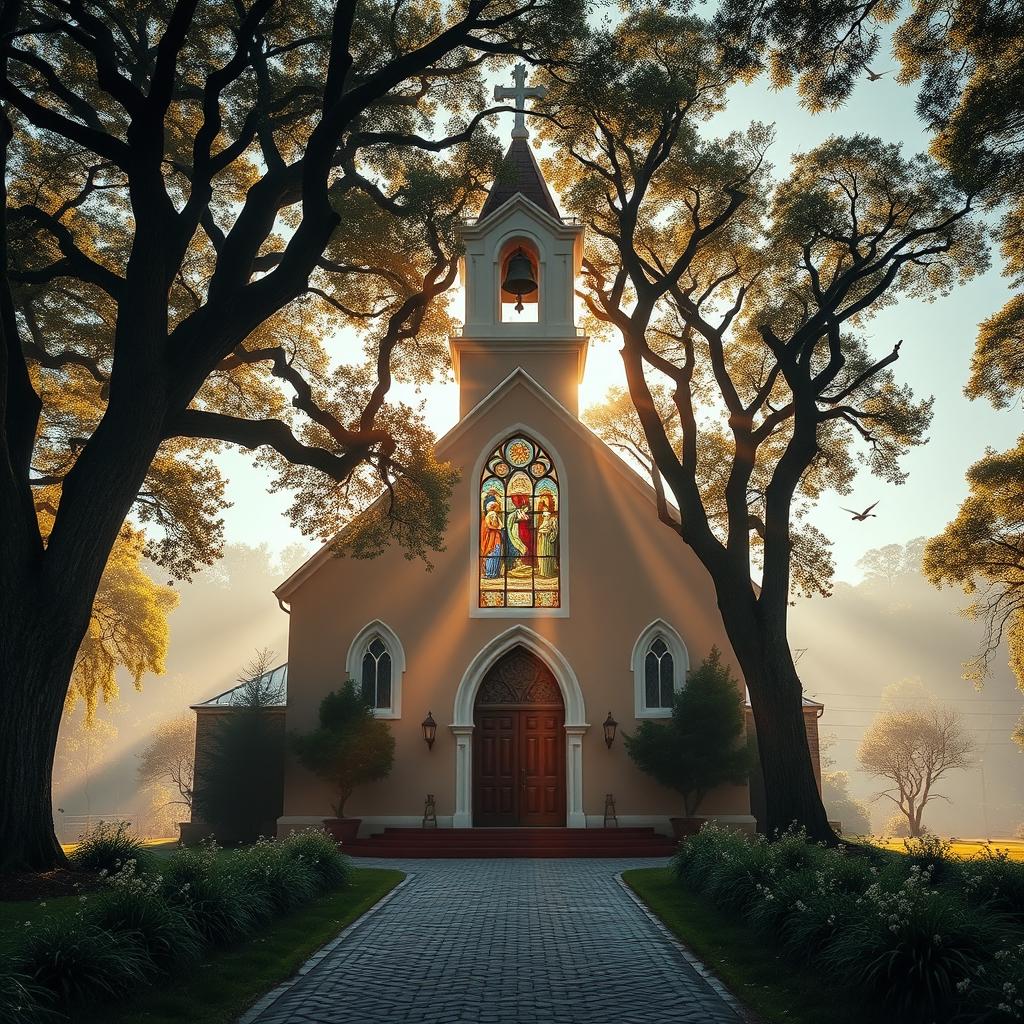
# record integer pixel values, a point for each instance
(741, 299)
(196, 195)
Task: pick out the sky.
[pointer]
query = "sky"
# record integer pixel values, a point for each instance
(938, 339)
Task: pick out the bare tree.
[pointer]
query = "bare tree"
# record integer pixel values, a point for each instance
(913, 748)
(169, 760)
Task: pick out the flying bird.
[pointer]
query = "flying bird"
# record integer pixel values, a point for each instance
(861, 516)
(874, 76)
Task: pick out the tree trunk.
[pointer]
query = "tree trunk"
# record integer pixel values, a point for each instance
(37, 654)
(776, 697)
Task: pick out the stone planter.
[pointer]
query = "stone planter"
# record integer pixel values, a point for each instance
(683, 827)
(343, 830)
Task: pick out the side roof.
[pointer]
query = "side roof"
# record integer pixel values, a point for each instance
(274, 684)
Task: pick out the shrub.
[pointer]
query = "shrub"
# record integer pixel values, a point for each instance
(219, 906)
(134, 905)
(22, 1000)
(699, 747)
(992, 880)
(350, 748)
(319, 850)
(76, 960)
(108, 846)
(286, 882)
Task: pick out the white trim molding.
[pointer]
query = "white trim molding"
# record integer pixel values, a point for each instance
(354, 662)
(658, 629)
(564, 532)
(576, 723)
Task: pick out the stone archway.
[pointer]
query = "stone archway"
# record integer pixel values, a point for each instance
(463, 723)
(518, 751)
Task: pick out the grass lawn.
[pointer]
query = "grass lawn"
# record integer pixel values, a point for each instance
(964, 847)
(226, 982)
(765, 983)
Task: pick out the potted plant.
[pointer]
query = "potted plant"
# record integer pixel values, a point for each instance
(700, 746)
(350, 748)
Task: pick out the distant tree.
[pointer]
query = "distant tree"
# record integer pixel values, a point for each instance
(350, 748)
(888, 563)
(851, 813)
(896, 827)
(701, 746)
(168, 760)
(239, 780)
(745, 296)
(913, 748)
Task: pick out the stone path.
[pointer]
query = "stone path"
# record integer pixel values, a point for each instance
(504, 942)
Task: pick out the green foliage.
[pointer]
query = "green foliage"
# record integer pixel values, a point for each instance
(239, 785)
(77, 961)
(23, 1001)
(319, 851)
(921, 934)
(699, 748)
(108, 847)
(136, 905)
(221, 908)
(267, 869)
(350, 748)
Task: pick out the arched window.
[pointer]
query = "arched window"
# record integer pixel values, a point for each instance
(660, 663)
(376, 663)
(519, 527)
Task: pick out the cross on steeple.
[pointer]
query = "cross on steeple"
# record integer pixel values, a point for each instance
(520, 93)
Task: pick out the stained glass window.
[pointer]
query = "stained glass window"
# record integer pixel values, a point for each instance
(519, 527)
(376, 681)
(658, 675)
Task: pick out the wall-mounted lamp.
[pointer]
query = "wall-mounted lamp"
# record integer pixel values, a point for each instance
(610, 725)
(429, 730)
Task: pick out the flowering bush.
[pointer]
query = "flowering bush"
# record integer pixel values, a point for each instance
(921, 935)
(108, 846)
(145, 922)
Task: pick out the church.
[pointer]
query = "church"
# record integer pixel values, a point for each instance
(561, 612)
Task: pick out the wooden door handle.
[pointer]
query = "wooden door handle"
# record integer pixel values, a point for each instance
(522, 777)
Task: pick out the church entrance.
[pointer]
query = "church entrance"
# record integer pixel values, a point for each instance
(519, 745)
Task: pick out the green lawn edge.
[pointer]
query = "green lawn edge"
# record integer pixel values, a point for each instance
(227, 982)
(769, 986)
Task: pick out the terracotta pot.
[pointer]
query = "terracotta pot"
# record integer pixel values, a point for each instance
(683, 827)
(343, 830)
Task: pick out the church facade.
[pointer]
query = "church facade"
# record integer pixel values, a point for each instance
(560, 600)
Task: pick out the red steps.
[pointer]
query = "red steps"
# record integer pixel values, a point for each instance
(479, 843)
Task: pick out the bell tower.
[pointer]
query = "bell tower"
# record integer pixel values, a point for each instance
(519, 274)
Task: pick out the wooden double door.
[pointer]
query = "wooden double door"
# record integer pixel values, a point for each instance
(519, 745)
(519, 767)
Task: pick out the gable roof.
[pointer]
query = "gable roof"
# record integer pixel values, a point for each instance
(519, 173)
(273, 683)
(517, 378)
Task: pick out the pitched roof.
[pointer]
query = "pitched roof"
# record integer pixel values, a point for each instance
(519, 173)
(273, 683)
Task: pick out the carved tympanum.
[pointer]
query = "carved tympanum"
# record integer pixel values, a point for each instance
(519, 677)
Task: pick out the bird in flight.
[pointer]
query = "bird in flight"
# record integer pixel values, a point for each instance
(861, 516)
(874, 76)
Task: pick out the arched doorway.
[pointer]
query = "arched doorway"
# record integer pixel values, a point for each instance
(519, 745)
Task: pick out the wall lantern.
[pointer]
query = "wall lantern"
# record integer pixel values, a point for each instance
(610, 725)
(429, 730)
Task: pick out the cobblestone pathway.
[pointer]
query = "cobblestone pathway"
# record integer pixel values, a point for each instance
(503, 942)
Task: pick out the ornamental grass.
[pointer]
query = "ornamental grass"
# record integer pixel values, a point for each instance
(922, 935)
(148, 922)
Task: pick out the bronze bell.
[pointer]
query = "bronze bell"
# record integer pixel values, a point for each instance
(519, 279)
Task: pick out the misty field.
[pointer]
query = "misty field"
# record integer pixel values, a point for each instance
(966, 848)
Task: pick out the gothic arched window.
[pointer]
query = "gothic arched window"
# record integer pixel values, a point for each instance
(519, 527)
(660, 663)
(375, 663)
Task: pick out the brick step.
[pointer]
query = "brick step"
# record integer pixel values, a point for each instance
(367, 849)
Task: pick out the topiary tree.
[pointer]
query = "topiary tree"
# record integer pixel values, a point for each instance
(699, 747)
(350, 748)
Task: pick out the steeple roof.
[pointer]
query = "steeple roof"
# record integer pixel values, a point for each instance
(519, 173)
